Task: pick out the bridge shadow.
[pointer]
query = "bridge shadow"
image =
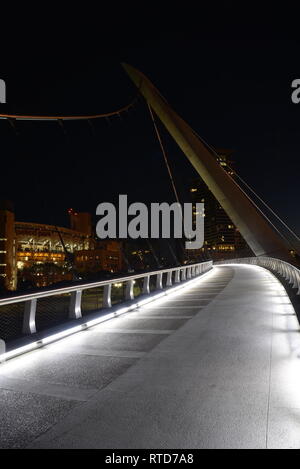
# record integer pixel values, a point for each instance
(285, 314)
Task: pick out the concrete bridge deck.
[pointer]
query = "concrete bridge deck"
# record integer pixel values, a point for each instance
(214, 366)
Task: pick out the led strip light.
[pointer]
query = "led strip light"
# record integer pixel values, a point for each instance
(93, 322)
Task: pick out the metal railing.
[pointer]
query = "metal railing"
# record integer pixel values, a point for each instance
(24, 315)
(287, 271)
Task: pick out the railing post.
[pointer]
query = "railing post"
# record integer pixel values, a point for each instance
(159, 281)
(29, 326)
(183, 274)
(294, 279)
(75, 305)
(177, 276)
(146, 285)
(285, 272)
(298, 282)
(291, 276)
(193, 273)
(2, 346)
(129, 290)
(169, 279)
(107, 296)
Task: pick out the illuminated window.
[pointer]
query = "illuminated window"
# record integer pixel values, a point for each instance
(194, 190)
(2, 275)
(2, 252)
(3, 265)
(3, 239)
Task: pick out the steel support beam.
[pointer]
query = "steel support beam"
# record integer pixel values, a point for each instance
(262, 238)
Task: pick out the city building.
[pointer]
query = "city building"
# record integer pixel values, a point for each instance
(8, 270)
(39, 254)
(81, 222)
(221, 237)
(106, 256)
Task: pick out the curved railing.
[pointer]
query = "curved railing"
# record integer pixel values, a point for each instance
(287, 271)
(70, 309)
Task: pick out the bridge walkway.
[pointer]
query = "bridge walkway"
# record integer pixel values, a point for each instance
(214, 366)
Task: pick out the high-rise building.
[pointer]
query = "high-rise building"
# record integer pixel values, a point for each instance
(221, 237)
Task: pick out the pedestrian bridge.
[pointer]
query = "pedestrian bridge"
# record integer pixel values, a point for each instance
(215, 364)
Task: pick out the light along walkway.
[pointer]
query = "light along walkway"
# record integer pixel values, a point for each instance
(215, 366)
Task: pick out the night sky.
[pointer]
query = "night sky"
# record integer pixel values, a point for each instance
(235, 93)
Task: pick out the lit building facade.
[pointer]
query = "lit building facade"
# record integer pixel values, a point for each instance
(36, 253)
(40, 255)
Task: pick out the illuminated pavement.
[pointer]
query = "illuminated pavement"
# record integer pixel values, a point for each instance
(214, 366)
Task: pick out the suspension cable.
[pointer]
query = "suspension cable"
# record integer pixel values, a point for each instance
(215, 153)
(264, 203)
(164, 153)
(248, 197)
(165, 157)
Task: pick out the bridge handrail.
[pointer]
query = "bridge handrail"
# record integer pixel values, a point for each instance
(100, 283)
(30, 300)
(288, 271)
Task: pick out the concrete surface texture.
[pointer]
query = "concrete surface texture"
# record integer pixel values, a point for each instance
(216, 365)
